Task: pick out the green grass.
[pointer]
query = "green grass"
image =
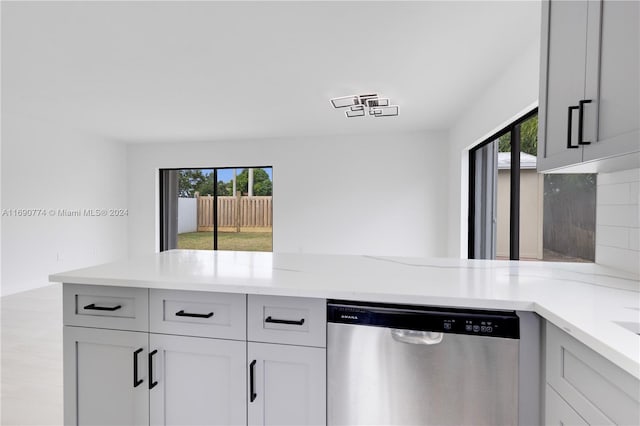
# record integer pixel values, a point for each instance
(244, 241)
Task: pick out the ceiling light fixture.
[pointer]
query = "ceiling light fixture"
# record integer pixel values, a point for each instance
(359, 105)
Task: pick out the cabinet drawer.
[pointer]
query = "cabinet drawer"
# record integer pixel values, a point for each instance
(118, 308)
(601, 392)
(288, 320)
(194, 313)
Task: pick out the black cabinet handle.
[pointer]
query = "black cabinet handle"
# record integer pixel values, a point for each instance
(569, 125)
(581, 121)
(187, 314)
(136, 382)
(93, 307)
(281, 321)
(152, 384)
(252, 391)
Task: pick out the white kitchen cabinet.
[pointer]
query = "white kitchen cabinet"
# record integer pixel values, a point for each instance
(184, 360)
(288, 320)
(197, 313)
(558, 412)
(589, 103)
(197, 381)
(105, 377)
(597, 390)
(617, 87)
(287, 385)
(564, 29)
(116, 308)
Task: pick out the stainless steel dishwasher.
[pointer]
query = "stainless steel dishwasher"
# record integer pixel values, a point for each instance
(407, 365)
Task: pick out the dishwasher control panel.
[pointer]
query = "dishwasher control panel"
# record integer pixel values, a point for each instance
(504, 324)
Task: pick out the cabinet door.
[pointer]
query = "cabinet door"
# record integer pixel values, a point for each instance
(601, 392)
(200, 381)
(562, 79)
(288, 384)
(102, 384)
(614, 79)
(558, 412)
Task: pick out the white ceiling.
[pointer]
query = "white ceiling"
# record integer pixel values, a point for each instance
(185, 71)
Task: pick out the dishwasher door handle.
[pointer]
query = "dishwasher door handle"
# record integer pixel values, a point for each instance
(416, 337)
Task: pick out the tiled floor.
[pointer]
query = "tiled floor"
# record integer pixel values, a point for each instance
(31, 324)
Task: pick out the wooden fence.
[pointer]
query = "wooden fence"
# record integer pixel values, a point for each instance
(570, 216)
(254, 213)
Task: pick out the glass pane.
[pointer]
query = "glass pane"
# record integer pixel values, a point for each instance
(531, 187)
(245, 211)
(503, 212)
(569, 217)
(195, 209)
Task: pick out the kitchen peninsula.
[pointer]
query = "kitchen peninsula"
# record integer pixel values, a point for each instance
(597, 306)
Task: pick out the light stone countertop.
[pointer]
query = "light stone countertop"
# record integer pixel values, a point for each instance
(585, 300)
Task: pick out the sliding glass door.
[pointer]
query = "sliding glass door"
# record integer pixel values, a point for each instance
(217, 209)
(517, 213)
(497, 168)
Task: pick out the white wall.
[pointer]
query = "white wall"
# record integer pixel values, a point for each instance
(49, 167)
(378, 195)
(512, 94)
(618, 220)
(187, 215)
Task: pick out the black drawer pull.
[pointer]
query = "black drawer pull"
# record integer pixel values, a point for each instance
(252, 391)
(187, 314)
(581, 121)
(281, 321)
(152, 384)
(569, 125)
(136, 382)
(93, 307)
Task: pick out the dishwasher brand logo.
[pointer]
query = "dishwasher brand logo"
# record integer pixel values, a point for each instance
(351, 317)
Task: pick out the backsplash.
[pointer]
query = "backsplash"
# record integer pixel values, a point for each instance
(618, 220)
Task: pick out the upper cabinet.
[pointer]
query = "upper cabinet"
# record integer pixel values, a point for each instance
(616, 86)
(589, 90)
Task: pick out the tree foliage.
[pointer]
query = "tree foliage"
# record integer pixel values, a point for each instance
(261, 183)
(225, 188)
(528, 138)
(191, 181)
